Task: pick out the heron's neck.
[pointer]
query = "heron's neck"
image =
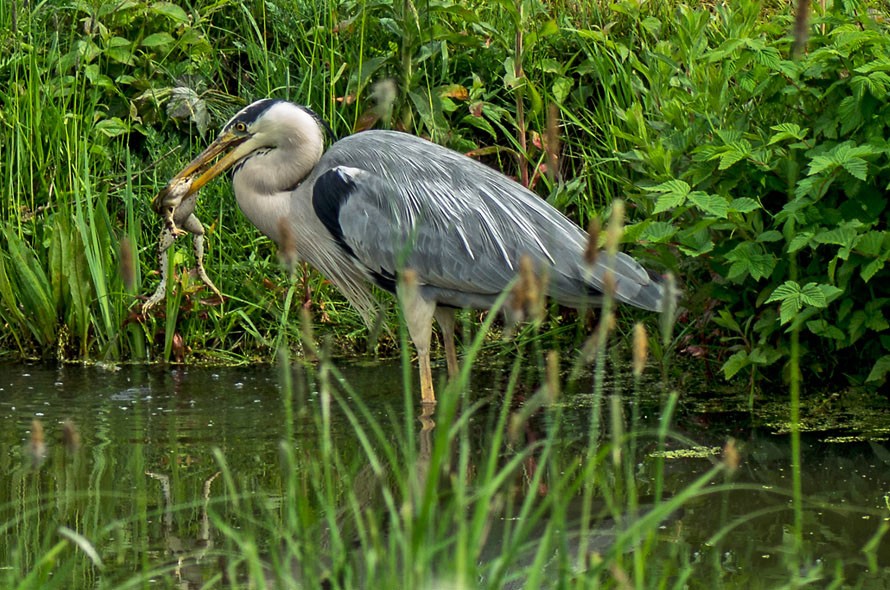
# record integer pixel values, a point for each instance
(265, 182)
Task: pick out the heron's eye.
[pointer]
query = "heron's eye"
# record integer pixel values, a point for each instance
(240, 127)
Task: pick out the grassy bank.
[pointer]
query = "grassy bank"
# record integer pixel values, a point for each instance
(735, 153)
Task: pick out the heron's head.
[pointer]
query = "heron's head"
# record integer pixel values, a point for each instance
(265, 125)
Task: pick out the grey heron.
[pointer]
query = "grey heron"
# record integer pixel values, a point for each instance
(377, 203)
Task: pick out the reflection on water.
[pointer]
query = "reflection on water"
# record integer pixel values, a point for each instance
(147, 440)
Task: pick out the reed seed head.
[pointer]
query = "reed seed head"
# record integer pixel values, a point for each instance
(553, 375)
(70, 436)
(731, 456)
(37, 443)
(287, 245)
(609, 284)
(127, 266)
(528, 296)
(307, 335)
(593, 241)
(615, 229)
(640, 349)
(552, 141)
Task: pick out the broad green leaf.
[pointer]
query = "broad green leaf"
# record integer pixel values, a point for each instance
(744, 205)
(158, 39)
(171, 11)
(659, 232)
(667, 202)
(726, 320)
(879, 370)
(734, 152)
(787, 131)
(770, 236)
(735, 363)
(673, 187)
(799, 241)
(713, 204)
(830, 292)
(871, 269)
(788, 289)
(762, 266)
(788, 309)
(822, 163)
(112, 127)
(872, 243)
(562, 86)
(811, 294)
(697, 250)
(822, 328)
(857, 167)
(841, 236)
(850, 113)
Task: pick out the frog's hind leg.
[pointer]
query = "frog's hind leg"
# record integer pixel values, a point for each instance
(193, 225)
(165, 240)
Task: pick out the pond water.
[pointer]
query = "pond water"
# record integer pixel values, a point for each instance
(151, 439)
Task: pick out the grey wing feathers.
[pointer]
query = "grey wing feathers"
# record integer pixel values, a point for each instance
(460, 225)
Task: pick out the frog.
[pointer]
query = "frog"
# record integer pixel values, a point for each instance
(176, 205)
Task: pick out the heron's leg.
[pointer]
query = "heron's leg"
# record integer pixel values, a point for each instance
(165, 240)
(193, 225)
(445, 317)
(419, 317)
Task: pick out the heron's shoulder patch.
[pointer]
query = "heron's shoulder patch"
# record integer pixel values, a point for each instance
(331, 191)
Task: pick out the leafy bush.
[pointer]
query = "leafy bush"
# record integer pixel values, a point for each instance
(768, 174)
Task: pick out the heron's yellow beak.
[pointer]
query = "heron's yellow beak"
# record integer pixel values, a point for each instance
(202, 169)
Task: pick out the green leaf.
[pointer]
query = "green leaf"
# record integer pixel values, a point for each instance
(857, 167)
(744, 205)
(659, 232)
(672, 194)
(788, 289)
(872, 243)
(562, 86)
(734, 152)
(850, 113)
(880, 369)
(788, 309)
(158, 40)
(871, 269)
(811, 294)
(726, 320)
(822, 163)
(770, 236)
(787, 131)
(735, 363)
(830, 292)
(112, 127)
(822, 328)
(713, 204)
(799, 241)
(841, 236)
(171, 11)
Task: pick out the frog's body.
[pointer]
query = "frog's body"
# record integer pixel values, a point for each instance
(179, 219)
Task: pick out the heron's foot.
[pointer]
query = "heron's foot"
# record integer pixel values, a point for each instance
(177, 231)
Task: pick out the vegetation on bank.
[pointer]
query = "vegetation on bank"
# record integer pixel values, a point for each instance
(755, 171)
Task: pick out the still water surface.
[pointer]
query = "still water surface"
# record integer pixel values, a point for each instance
(147, 438)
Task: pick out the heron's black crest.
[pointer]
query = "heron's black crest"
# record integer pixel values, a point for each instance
(331, 191)
(251, 113)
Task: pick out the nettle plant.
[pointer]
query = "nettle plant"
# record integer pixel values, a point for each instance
(769, 174)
